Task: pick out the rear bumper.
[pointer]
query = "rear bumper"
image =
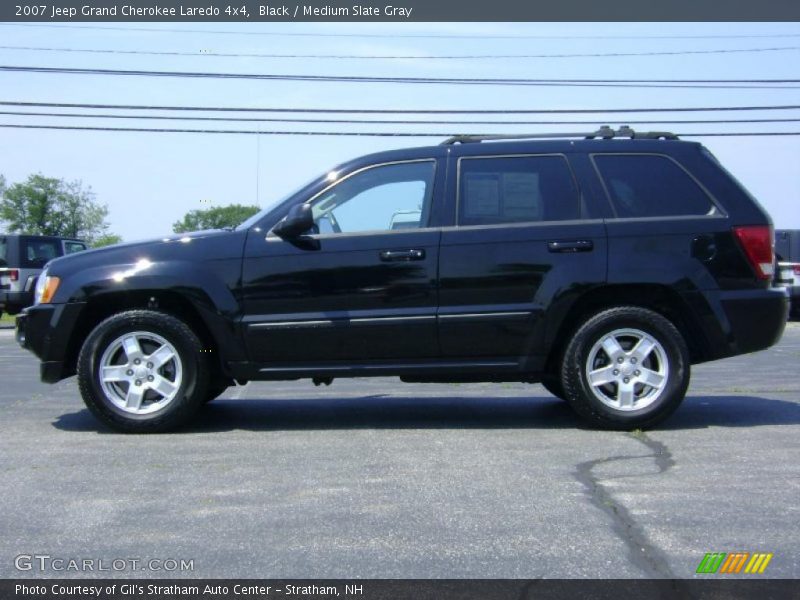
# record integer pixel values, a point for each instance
(750, 320)
(36, 332)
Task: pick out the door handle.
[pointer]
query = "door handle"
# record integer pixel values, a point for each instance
(571, 246)
(401, 255)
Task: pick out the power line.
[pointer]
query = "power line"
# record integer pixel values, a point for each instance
(412, 35)
(623, 83)
(396, 56)
(380, 122)
(399, 111)
(350, 133)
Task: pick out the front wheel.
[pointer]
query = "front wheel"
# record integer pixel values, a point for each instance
(626, 368)
(142, 371)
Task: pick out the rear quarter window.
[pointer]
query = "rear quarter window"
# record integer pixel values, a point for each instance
(642, 185)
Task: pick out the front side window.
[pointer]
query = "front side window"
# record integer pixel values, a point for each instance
(516, 189)
(382, 198)
(647, 185)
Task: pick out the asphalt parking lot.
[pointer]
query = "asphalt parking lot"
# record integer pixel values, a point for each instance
(374, 478)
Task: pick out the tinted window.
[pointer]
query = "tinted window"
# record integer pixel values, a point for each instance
(71, 247)
(516, 189)
(650, 186)
(35, 253)
(3, 252)
(382, 198)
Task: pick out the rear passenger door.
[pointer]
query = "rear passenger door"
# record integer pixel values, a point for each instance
(521, 243)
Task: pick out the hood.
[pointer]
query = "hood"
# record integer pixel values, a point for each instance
(198, 245)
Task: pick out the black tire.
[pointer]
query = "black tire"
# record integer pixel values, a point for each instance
(672, 352)
(191, 365)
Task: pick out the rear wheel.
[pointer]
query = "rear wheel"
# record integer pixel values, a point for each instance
(142, 371)
(626, 368)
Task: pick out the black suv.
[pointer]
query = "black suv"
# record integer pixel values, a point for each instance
(602, 268)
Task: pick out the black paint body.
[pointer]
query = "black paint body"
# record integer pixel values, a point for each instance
(477, 303)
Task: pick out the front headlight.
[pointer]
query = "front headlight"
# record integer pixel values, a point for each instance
(46, 287)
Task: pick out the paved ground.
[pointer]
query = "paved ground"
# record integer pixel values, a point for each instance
(374, 478)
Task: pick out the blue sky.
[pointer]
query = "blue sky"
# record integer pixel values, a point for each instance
(149, 181)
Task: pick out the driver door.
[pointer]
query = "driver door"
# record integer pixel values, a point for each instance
(361, 285)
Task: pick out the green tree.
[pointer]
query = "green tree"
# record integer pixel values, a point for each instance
(216, 217)
(49, 206)
(106, 239)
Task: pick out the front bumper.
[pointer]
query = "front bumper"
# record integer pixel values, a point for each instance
(46, 330)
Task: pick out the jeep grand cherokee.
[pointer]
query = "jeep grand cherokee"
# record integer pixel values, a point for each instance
(601, 267)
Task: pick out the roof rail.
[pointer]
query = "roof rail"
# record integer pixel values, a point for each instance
(605, 132)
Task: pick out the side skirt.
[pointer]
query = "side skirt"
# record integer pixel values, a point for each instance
(432, 371)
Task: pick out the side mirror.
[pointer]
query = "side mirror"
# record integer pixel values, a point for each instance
(298, 221)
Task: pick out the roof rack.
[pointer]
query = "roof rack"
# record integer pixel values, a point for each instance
(605, 132)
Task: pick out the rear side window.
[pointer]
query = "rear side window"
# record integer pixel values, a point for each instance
(516, 189)
(35, 253)
(3, 252)
(650, 186)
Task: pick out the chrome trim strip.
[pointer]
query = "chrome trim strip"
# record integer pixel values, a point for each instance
(489, 315)
(320, 323)
(392, 319)
(388, 366)
(291, 324)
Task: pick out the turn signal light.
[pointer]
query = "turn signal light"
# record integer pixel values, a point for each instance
(50, 287)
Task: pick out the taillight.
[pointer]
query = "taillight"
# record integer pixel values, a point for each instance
(757, 243)
(796, 269)
(12, 274)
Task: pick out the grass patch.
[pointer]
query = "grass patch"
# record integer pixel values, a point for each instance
(7, 319)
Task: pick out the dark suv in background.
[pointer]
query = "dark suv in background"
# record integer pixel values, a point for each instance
(600, 267)
(22, 258)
